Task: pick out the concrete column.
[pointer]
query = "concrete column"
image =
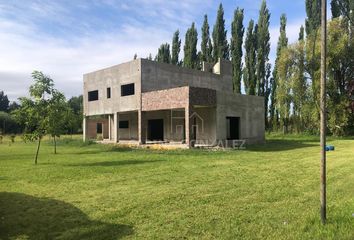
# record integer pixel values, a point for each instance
(116, 127)
(109, 127)
(188, 126)
(141, 127)
(84, 129)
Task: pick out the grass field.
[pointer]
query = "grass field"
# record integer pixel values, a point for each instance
(103, 192)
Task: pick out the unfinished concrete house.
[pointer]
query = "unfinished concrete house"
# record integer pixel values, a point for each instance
(148, 102)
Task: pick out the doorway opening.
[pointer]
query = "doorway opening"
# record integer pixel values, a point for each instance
(233, 128)
(155, 130)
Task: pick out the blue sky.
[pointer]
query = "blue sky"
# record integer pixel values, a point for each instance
(67, 38)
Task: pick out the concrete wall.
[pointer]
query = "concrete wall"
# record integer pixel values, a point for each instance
(92, 128)
(158, 76)
(113, 77)
(206, 124)
(130, 133)
(250, 109)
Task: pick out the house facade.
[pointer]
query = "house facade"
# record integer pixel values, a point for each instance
(145, 101)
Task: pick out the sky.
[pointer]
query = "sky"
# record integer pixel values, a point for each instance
(67, 38)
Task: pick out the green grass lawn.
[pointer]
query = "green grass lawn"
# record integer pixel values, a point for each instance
(102, 192)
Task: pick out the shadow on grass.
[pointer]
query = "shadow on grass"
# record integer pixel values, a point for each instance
(114, 163)
(27, 217)
(276, 145)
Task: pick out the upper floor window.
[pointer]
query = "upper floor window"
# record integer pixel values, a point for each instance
(93, 95)
(127, 89)
(109, 92)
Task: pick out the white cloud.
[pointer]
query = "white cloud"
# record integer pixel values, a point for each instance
(64, 62)
(25, 48)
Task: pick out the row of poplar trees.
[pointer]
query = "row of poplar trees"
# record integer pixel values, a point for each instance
(291, 86)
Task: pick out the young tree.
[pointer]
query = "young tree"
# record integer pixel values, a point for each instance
(249, 71)
(176, 48)
(282, 43)
(34, 111)
(206, 46)
(220, 48)
(237, 31)
(190, 48)
(4, 102)
(163, 54)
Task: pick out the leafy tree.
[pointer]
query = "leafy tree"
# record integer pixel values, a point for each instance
(13, 106)
(282, 43)
(220, 48)
(4, 102)
(57, 121)
(299, 85)
(190, 48)
(176, 48)
(340, 77)
(249, 71)
(163, 54)
(344, 8)
(34, 112)
(7, 123)
(74, 114)
(237, 31)
(206, 46)
(285, 77)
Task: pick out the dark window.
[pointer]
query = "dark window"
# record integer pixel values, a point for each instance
(233, 128)
(127, 89)
(99, 128)
(109, 92)
(123, 124)
(93, 95)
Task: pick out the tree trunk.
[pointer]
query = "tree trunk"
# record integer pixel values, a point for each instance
(38, 146)
(55, 145)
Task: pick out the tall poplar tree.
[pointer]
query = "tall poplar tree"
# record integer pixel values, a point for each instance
(176, 48)
(205, 45)
(249, 71)
(263, 47)
(237, 31)
(313, 22)
(299, 84)
(220, 47)
(282, 43)
(190, 48)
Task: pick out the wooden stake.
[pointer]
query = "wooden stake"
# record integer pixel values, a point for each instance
(323, 108)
